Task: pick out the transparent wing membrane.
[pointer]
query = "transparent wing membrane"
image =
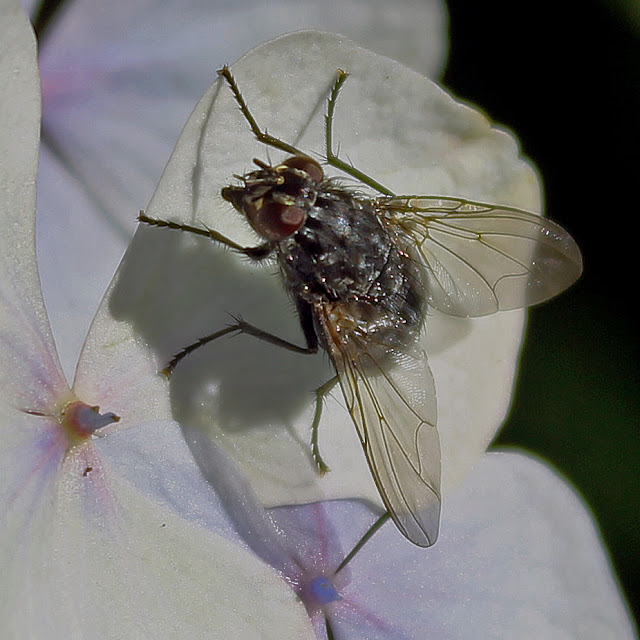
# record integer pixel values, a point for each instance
(392, 401)
(483, 258)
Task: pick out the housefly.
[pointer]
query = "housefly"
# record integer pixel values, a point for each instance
(362, 272)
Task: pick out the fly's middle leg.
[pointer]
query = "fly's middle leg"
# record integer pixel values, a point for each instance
(239, 326)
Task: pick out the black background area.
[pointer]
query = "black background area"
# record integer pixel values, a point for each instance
(568, 83)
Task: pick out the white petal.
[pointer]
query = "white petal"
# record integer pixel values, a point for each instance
(171, 289)
(518, 557)
(154, 459)
(78, 251)
(27, 353)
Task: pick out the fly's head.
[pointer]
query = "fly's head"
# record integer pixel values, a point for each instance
(276, 200)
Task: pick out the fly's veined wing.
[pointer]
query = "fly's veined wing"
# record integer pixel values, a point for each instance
(482, 258)
(392, 401)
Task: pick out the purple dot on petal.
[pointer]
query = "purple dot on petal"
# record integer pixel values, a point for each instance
(322, 590)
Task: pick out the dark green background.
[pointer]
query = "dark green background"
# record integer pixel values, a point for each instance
(568, 84)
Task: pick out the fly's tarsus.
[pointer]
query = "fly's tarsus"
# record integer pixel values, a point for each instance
(200, 342)
(321, 393)
(331, 107)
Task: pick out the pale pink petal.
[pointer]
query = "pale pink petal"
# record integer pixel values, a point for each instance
(92, 552)
(518, 557)
(84, 547)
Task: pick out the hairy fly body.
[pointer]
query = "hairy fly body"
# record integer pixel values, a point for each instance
(334, 252)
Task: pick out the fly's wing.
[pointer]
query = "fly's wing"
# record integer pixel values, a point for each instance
(481, 258)
(392, 401)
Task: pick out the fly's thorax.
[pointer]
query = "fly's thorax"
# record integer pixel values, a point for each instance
(346, 256)
(338, 252)
(276, 200)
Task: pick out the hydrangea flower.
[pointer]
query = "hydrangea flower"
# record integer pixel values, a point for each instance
(117, 535)
(88, 506)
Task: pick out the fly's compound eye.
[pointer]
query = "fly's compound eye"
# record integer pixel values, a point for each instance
(306, 164)
(273, 220)
(276, 200)
(273, 217)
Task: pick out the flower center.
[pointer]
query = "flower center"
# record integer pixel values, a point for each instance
(322, 591)
(80, 421)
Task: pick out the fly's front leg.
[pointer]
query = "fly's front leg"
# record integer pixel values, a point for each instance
(332, 158)
(272, 141)
(261, 135)
(255, 253)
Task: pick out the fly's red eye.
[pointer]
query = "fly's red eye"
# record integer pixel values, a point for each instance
(306, 164)
(292, 217)
(275, 221)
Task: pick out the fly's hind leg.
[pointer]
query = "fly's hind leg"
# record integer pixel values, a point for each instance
(239, 326)
(321, 393)
(311, 339)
